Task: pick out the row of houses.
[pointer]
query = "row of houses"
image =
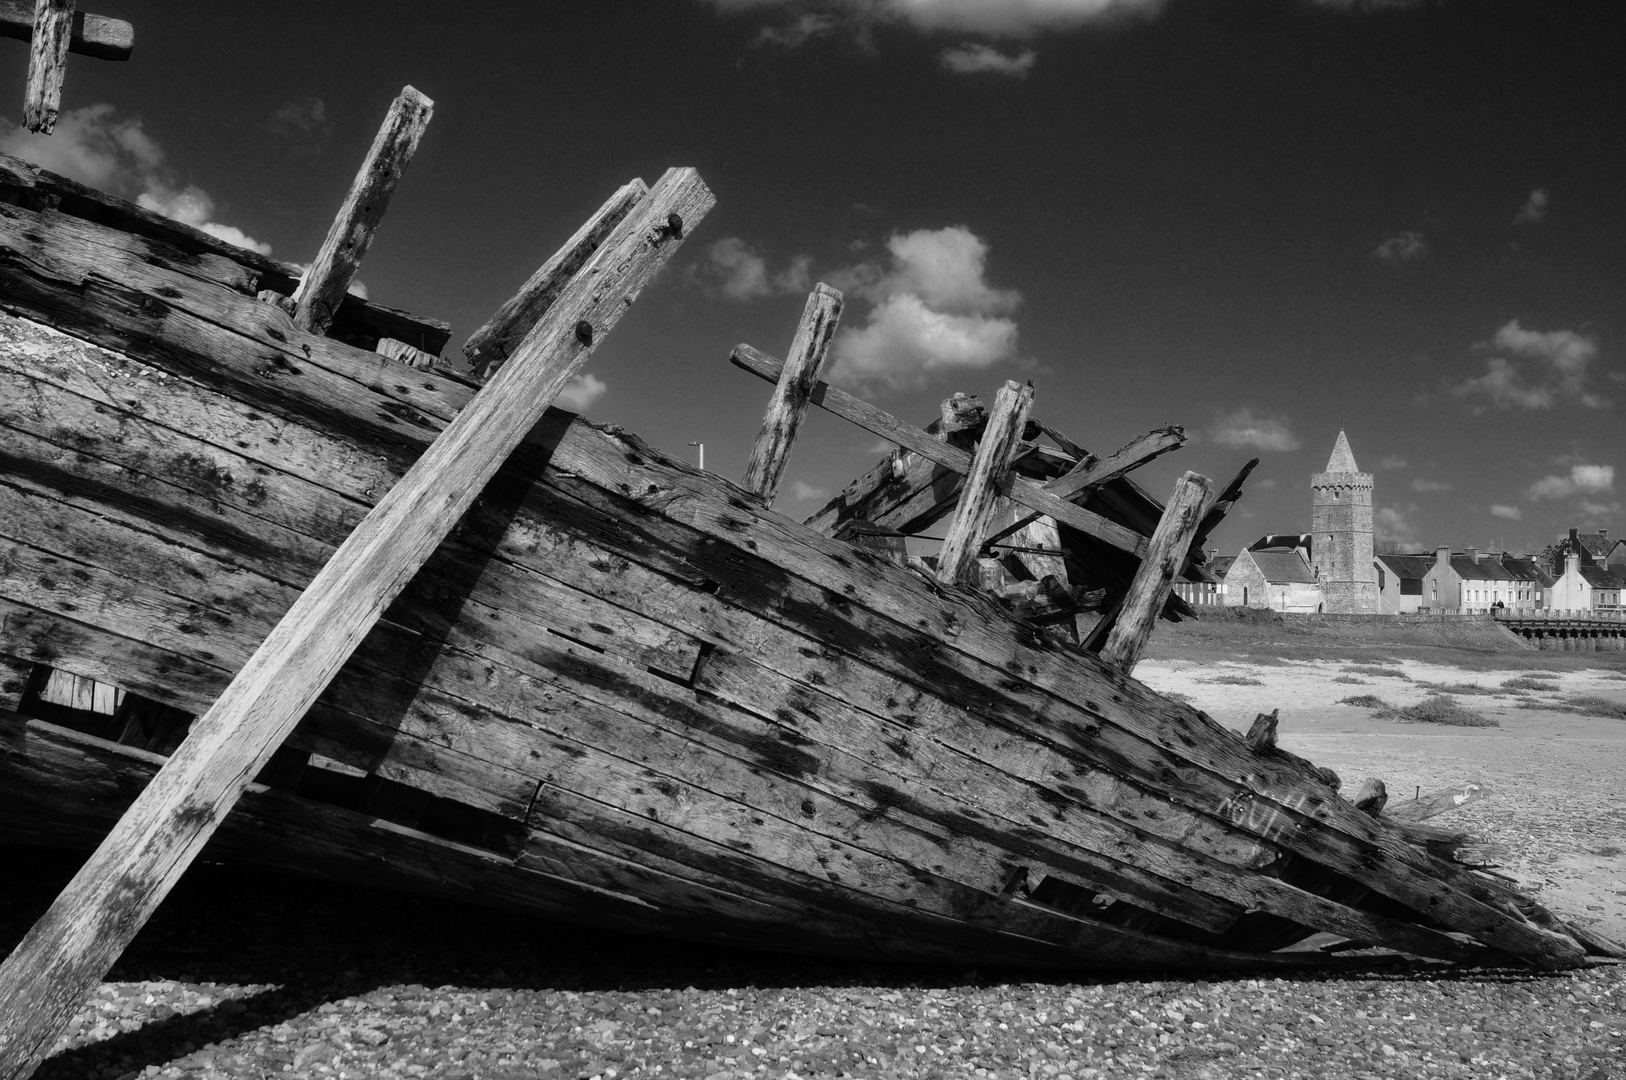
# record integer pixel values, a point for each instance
(1583, 572)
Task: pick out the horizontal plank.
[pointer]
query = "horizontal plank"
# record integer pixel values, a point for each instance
(92, 35)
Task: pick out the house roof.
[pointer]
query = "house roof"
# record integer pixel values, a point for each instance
(1527, 570)
(1343, 458)
(1219, 564)
(1408, 567)
(1597, 544)
(1283, 566)
(1599, 578)
(1486, 569)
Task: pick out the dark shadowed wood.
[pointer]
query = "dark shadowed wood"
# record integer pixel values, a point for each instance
(1164, 558)
(771, 452)
(490, 345)
(1220, 503)
(988, 467)
(1262, 733)
(47, 64)
(1091, 474)
(43, 982)
(91, 35)
(910, 437)
(325, 284)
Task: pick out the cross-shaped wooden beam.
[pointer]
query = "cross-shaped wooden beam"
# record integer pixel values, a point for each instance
(55, 30)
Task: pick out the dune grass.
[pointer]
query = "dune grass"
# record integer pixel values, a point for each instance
(1374, 669)
(1533, 681)
(1365, 701)
(1351, 680)
(1591, 705)
(1438, 709)
(1463, 688)
(1233, 680)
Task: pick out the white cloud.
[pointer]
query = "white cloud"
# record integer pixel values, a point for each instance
(1502, 510)
(933, 311)
(1533, 369)
(995, 18)
(1405, 247)
(1582, 480)
(1597, 510)
(96, 146)
(1397, 523)
(581, 392)
(1393, 462)
(734, 270)
(1423, 487)
(798, 31)
(979, 59)
(1534, 210)
(1240, 429)
(802, 491)
(300, 126)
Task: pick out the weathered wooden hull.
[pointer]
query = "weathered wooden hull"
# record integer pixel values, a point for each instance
(623, 691)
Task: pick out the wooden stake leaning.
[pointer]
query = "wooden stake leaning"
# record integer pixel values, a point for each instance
(909, 437)
(980, 495)
(47, 64)
(1164, 557)
(68, 951)
(788, 405)
(324, 285)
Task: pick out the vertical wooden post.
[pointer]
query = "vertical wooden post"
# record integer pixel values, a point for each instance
(324, 285)
(788, 405)
(68, 951)
(47, 64)
(1165, 555)
(980, 494)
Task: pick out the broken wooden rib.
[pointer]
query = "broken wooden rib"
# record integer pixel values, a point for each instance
(47, 64)
(890, 427)
(1165, 555)
(1090, 474)
(43, 981)
(90, 35)
(771, 451)
(325, 284)
(982, 482)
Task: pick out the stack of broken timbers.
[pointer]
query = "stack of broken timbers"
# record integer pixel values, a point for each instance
(363, 618)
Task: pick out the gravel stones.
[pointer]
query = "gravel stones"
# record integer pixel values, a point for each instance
(243, 974)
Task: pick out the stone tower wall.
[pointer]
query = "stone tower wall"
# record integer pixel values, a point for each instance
(1342, 544)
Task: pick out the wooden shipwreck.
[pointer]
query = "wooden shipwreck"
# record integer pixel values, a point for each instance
(621, 690)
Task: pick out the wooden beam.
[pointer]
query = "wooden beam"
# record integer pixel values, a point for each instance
(47, 64)
(909, 437)
(1091, 474)
(1437, 802)
(1219, 504)
(324, 285)
(1164, 558)
(788, 405)
(979, 496)
(1371, 796)
(47, 977)
(490, 345)
(90, 35)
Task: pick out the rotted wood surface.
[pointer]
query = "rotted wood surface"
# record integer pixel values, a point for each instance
(1166, 554)
(979, 497)
(74, 943)
(325, 284)
(47, 64)
(499, 335)
(788, 403)
(1091, 474)
(89, 35)
(890, 427)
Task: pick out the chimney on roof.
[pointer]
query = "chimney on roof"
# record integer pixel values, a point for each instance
(1442, 556)
(1575, 538)
(1603, 534)
(1472, 553)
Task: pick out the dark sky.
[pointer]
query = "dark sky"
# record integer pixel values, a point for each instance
(1261, 219)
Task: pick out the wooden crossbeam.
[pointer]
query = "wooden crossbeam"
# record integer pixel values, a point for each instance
(1091, 473)
(978, 498)
(47, 64)
(89, 35)
(1164, 557)
(884, 424)
(325, 284)
(808, 349)
(490, 345)
(48, 976)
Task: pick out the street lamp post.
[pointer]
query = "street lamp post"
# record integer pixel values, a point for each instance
(702, 447)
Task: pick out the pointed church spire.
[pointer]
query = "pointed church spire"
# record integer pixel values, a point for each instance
(1343, 458)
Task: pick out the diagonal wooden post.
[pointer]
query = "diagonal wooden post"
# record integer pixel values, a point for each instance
(324, 285)
(71, 947)
(47, 64)
(1165, 555)
(980, 495)
(788, 405)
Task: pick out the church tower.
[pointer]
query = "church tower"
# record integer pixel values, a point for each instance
(1342, 530)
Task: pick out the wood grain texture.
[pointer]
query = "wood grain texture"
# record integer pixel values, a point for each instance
(1164, 557)
(47, 64)
(788, 403)
(325, 284)
(1091, 474)
(491, 344)
(75, 942)
(891, 428)
(90, 35)
(979, 498)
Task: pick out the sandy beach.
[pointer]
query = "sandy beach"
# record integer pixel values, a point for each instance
(1556, 802)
